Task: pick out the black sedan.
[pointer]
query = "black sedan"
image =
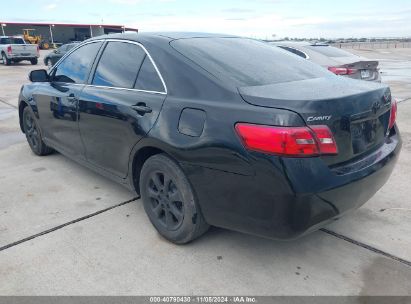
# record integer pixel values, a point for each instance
(51, 58)
(216, 130)
(336, 60)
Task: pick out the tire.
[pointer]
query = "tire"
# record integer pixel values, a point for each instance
(169, 200)
(34, 61)
(5, 60)
(45, 45)
(49, 64)
(33, 134)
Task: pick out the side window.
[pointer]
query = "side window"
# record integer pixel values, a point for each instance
(18, 41)
(148, 78)
(75, 67)
(293, 50)
(119, 65)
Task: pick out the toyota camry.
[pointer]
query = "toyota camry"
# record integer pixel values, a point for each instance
(216, 130)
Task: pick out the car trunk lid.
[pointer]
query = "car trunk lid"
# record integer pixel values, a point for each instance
(365, 69)
(357, 112)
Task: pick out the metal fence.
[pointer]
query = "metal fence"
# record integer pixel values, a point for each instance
(373, 45)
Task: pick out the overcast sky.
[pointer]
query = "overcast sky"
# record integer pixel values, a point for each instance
(258, 18)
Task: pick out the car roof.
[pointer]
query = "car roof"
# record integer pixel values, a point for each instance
(14, 36)
(291, 43)
(314, 55)
(164, 35)
(298, 43)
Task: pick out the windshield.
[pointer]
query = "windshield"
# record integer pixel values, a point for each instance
(247, 62)
(11, 40)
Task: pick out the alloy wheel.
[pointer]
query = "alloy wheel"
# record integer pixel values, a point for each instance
(32, 132)
(166, 200)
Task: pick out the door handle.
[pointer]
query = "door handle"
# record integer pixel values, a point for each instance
(142, 108)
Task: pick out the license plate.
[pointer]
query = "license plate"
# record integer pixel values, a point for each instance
(365, 73)
(25, 54)
(363, 135)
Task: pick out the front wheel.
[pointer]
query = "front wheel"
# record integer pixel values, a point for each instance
(33, 134)
(49, 64)
(169, 200)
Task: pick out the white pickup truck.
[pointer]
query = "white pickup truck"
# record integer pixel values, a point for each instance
(15, 49)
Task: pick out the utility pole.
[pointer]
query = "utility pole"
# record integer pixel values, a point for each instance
(2, 28)
(51, 34)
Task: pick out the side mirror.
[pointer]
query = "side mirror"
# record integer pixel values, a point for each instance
(39, 76)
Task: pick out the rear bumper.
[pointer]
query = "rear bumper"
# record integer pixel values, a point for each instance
(375, 77)
(287, 198)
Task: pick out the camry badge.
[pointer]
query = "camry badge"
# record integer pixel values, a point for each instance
(376, 106)
(317, 118)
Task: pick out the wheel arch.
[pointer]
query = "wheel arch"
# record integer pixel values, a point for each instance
(22, 105)
(139, 158)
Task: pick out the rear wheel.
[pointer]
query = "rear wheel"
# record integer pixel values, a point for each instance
(33, 134)
(5, 60)
(169, 200)
(33, 61)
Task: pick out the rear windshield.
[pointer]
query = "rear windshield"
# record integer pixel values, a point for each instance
(247, 62)
(329, 51)
(294, 51)
(11, 40)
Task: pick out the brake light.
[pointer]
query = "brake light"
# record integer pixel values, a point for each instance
(9, 50)
(38, 50)
(325, 139)
(287, 141)
(393, 114)
(342, 71)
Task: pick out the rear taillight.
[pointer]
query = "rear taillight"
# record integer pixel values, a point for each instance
(9, 50)
(38, 50)
(325, 139)
(342, 71)
(287, 141)
(393, 114)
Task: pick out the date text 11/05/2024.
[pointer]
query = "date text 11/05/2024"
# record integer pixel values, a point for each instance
(202, 299)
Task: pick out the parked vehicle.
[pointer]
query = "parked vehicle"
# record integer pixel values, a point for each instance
(336, 60)
(51, 58)
(30, 36)
(216, 130)
(15, 49)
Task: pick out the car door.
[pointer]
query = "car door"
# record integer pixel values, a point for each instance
(120, 105)
(57, 100)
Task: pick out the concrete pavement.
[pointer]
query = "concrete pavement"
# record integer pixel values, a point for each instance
(118, 252)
